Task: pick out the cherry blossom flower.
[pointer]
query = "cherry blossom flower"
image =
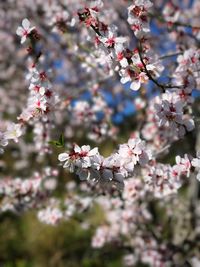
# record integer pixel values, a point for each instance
(170, 112)
(138, 17)
(183, 166)
(3, 141)
(14, 131)
(111, 40)
(133, 75)
(132, 152)
(25, 30)
(50, 215)
(79, 157)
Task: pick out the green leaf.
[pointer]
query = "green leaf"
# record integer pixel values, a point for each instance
(59, 143)
(61, 140)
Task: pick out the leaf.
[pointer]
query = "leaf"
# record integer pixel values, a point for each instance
(61, 140)
(59, 143)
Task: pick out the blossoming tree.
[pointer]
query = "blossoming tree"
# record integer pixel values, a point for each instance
(77, 76)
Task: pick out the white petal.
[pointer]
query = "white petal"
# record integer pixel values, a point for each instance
(135, 85)
(30, 30)
(77, 149)
(189, 124)
(23, 39)
(125, 79)
(63, 156)
(131, 143)
(42, 90)
(26, 24)
(85, 148)
(93, 152)
(198, 176)
(124, 62)
(198, 154)
(19, 31)
(196, 163)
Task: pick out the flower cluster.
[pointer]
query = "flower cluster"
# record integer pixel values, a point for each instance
(164, 179)
(57, 210)
(128, 62)
(41, 100)
(138, 17)
(50, 215)
(187, 73)
(9, 131)
(19, 194)
(170, 112)
(96, 116)
(90, 165)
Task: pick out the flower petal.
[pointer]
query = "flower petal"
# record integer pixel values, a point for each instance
(63, 156)
(26, 24)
